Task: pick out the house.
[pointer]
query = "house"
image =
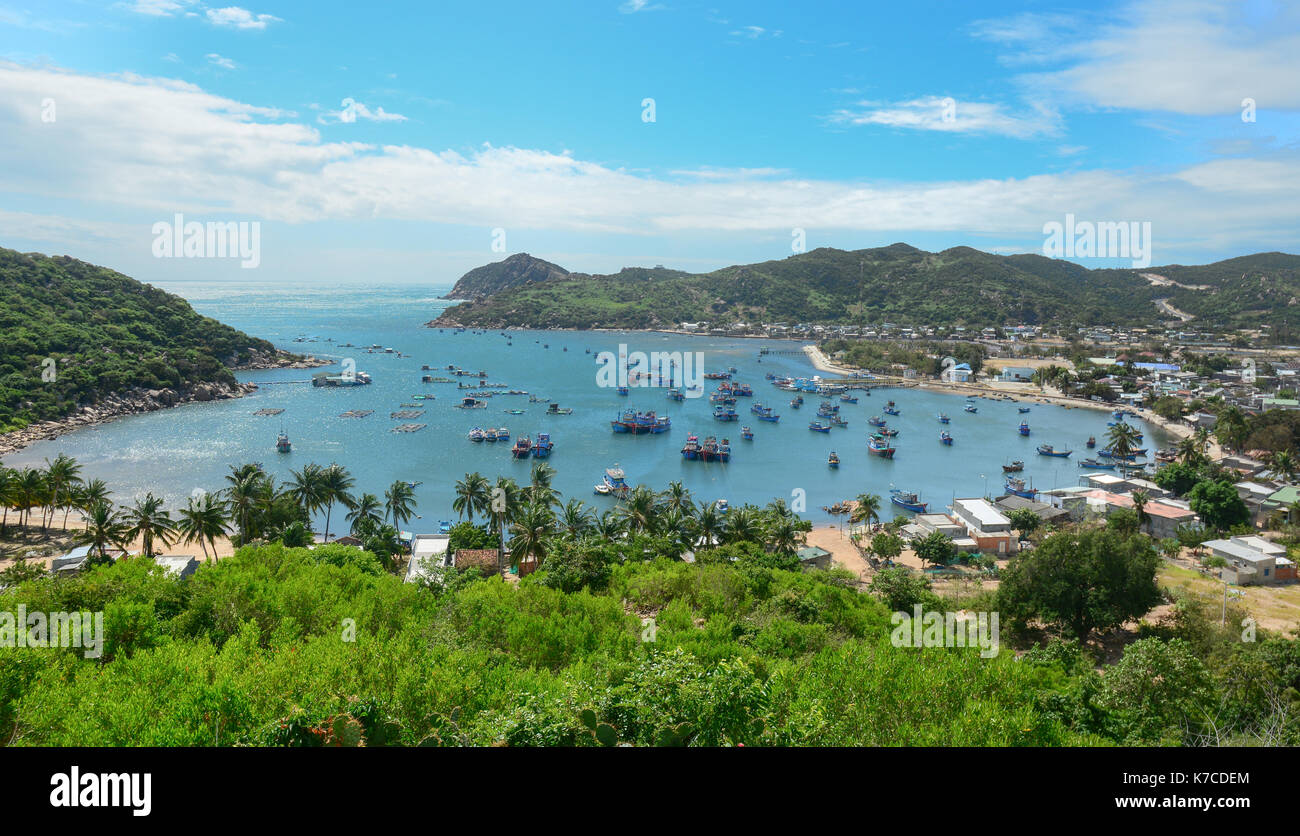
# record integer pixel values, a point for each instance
(1016, 374)
(180, 565)
(347, 540)
(986, 525)
(814, 557)
(427, 551)
(72, 562)
(923, 525)
(1164, 516)
(1046, 512)
(1251, 560)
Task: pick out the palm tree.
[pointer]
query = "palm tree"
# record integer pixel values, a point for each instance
(87, 495)
(532, 530)
(1140, 500)
(743, 524)
(783, 534)
(103, 529)
(867, 510)
(638, 511)
(245, 492)
(1122, 439)
(366, 511)
(575, 518)
(203, 519)
(506, 503)
(30, 492)
(709, 524)
(7, 481)
(149, 521)
(540, 489)
(609, 526)
(62, 475)
(1283, 464)
(678, 498)
(399, 502)
(473, 496)
(307, 487)
(336, 486)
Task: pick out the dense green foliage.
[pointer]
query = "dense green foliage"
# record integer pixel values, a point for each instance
(106, 333)
(898, 283)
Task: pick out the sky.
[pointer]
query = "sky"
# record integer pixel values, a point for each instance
(401, 142)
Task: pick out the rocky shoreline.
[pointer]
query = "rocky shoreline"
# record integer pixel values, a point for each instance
(137, 401)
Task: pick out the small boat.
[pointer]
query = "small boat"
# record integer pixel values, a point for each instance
(282, 444)
(616, 481)
(471, 402)
(970, 407)
(503, 434)
(1049, 450)
(722, 506)
(725, 413)
(746, 433)
(838, 421)
(676, 395)
(556, 409)
(876, 421)
(943, 419)
(796, 403)
(819, 427)
(1015, 467)
(514, 412)
(908, 500)
(889, 410)
(878, 445)
(1096, 464)
(476, 434)
(603, 490)
(523, 447)
(945, 438)
(848, 399)
(542, 446)
(1092, 442)
(691, 449)
(833, 460)
(622, 390)
(888, 432)
(1023, 429)
(1017, 487)
(1024, 409)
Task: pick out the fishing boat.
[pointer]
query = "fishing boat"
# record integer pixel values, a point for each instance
(908, 500)
(889, 410)
(746, 433)
(1015, 467)
(1049, 450)
(1131, 457)
(1092, 442)
(796, 403)
(676, 395)
(1023, 429)
(556, 409)
(616, 480)
(691, 449)
(622, 390)
(1017, 487)
(819, 427)
(282, 444)
(970, 407)
(722, 506)
(889, 403)
(1024, 409)
(833, 460)
(945, 438)
(542, 446)
(769, 416)
(444, 526)
(888, 432)
(503, 434)
(876, 421)
(943, 419)
(640, 423)
(476, 434)
(878, 445)
(713, 450)
(514, 412)
(848, 399)
(742, 390)
(1096, 464)
(725, 413)
(717, 376)
(490, 434)
(722, 398)
(523, 447)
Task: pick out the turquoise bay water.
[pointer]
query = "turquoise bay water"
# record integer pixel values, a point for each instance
(174, 452)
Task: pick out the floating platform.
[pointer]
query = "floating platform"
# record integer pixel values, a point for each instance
(356, 413)
(409, 428)
(406, 413)
(268, 411)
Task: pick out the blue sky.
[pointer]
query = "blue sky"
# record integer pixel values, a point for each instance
(391, 139)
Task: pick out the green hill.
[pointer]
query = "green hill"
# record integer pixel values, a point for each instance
(898, 283)
(106, 334)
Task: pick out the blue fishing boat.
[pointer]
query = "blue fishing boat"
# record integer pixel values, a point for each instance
(833, 460)
(1092, 442)
(945, 438)
(691, 449)
(746, 433)
(887, 432)
(889, 410)
(908, 500)
(1018, 487)
(796, 403)
(542, 446)
(616, 480)
(523, 447)
(476, 434)
(725, 413)
(1023, 429)
(848, 398)
(819, 427)
(1024, 409)
(1049, 450)
(1096, 464)
(943, 419)
(622, 390)
(444, 526)
(876, 421)
(676, 395)
(878, 445)
(970, 407)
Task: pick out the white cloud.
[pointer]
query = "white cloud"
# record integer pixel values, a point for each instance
(127, 145)
(933, 113)
(158, 8)
(220, 61)
(631, 7)
(352, 110)
(1197, 57)
(240, 18)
